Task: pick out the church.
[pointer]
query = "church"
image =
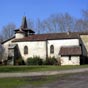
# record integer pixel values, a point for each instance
(69, 48)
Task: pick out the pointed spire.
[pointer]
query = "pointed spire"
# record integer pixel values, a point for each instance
(24, 23)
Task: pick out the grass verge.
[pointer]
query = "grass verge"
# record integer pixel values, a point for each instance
(37, 68)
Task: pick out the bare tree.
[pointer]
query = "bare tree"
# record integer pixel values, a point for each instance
(51, 24)
(80, 25)
(30, 24)
(85, 19)
(85, 14)
(68, 22)
(8, 31)
(39, 26)
(57, 23)
(63, 23)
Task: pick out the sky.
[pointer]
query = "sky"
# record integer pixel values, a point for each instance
(12, 11)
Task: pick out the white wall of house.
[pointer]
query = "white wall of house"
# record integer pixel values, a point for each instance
(6, 45)
(75, 60)
(36, 48)
(59, 43)
(84, 42)
(19, 35)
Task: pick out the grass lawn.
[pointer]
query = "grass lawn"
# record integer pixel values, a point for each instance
(11, 82)
(37, 68)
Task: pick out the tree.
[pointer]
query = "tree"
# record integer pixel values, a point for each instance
(85, 18)
(85, 14)
(8, 31)
(30, 24)
(68, 22)
(57, 23)
(39, 27)
(80, 26)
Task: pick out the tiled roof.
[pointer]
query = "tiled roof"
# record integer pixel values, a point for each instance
(50, 36)
(19, 32)
(23, 31)
(74, 50)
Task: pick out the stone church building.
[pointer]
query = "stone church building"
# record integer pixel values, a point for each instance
(69, 48)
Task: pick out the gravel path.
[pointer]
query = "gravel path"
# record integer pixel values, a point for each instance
(79, 80)
(45, 73)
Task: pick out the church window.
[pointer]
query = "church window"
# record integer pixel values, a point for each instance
(25, 50)
(51, 49)
(69, 58)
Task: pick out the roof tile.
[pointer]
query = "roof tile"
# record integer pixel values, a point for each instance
(50, 36)
(74, 50)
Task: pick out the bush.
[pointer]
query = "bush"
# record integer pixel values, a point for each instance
(19, 61)
(34, 61)
(50, 61)
(38, 61)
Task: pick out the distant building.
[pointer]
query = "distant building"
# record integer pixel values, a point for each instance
(69, 48)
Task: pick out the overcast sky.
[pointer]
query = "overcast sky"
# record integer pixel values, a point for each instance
(14, 10)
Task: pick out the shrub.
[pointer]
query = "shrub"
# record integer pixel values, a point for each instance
(38, 61)
(19, 61)
(50, 61)
(34, 61)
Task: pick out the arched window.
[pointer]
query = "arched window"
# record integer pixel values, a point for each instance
(25, 50)
(51, 49)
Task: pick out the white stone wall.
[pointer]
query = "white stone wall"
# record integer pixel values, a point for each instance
(19, 35)
(6, 45)
(84, 42)
(59, 43)
(36, 48)
(75, 60)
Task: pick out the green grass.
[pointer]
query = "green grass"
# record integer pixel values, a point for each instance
(11, 82)
(19, 82)
(37, 68)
